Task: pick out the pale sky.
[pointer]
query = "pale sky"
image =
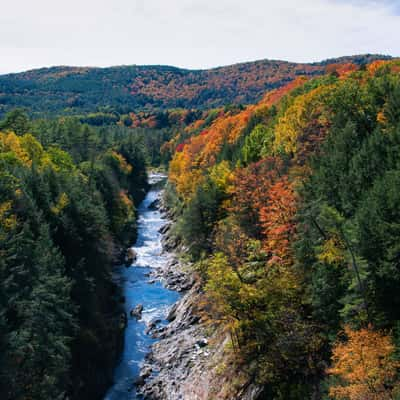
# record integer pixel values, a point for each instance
(192, 33)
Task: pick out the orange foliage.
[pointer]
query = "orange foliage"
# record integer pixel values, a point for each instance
(126, 201)
(277, 219)
(250, 191)
(238, 81)
(276, 95)
(195, 125)
(201, 151)
(342, 70)
(375, 66)
(365, 365)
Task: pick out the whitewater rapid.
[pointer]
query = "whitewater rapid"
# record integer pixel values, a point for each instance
(138, 288)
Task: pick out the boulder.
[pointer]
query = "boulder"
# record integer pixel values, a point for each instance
(137, 311)
(172, 313)
(122, 320)
(202, 342)
(154, 205)
(130, 257)
(152, 326)
(140, 381)
(165, 228)
(144, 374)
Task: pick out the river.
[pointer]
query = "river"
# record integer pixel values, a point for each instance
(138, 288)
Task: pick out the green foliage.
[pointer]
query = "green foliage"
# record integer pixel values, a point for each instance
(303, 238)
(16, 121)
(258, 144)
(290, 208)
(103, 92)
(66, 208)
(199, 218)
(36, 354)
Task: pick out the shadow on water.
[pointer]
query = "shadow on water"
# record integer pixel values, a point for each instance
(155, 298)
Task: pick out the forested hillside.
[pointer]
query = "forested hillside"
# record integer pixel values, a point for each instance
(67, 207)
(287, 208)
(120, 90)
(290, 210)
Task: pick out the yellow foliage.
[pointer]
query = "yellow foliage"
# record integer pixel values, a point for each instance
(8, 221)
(123, 165)
(224, 285)
(32, 147)
(62, 202)
(305, 109)
(10, 142)
(127, 203)
(185, 178)
(26, 149)
(332, 251)
(222, 175)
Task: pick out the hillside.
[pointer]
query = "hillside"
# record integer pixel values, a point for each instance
(289, 210)
(281, 219)
(76, 90)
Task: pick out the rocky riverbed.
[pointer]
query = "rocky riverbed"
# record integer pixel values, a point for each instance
(191, 360)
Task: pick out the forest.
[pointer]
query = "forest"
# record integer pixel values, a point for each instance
(289, 209)
(286, 202)
(120, 90)
(68, 197)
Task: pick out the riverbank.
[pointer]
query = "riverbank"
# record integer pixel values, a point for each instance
(192, 358)
(145, 298)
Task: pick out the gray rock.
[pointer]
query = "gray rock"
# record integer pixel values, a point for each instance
(140, 381)
(154, 205)
(144, 374)
(164, 229)
(172, 313)
(203, 342)
(152, 327)
(137, 311)
(130, 257)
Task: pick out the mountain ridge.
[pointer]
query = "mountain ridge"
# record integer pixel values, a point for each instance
(69, 90)
(331, 60)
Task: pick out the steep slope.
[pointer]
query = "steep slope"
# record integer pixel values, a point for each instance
(290, 212)
(123, 89)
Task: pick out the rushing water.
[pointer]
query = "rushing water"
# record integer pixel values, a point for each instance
(138, 289)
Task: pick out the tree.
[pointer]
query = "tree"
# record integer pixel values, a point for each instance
(40, 325)
(258, 144)
(365, 365)
(277, 219)
(16, 121)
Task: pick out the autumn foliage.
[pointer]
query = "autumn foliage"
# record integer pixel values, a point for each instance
(277, 219)
(365, 365)
(295, 200)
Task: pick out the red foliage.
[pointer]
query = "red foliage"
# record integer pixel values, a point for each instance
(250, 193)
(180, 147)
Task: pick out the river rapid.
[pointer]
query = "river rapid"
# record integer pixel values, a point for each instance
(138, 288)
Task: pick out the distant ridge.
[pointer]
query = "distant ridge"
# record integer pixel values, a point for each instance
(76, 90)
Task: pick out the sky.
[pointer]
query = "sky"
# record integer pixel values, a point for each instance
(192, 33)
